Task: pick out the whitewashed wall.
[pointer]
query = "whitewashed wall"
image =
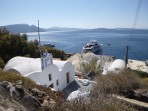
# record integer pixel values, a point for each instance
(43, 77)
(68, 67)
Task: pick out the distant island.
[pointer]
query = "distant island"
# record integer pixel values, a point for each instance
(22, 28)
(25, 28)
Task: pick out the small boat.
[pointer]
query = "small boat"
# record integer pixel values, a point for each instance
(92, 46)
(49, 45)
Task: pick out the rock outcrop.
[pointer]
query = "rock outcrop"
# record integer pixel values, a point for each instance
(89, 59)
(14, 97)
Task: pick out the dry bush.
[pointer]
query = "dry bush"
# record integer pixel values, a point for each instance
(93, 104)
(100, 98)
(116, 83)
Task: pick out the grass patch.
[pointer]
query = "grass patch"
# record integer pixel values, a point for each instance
(13, 78)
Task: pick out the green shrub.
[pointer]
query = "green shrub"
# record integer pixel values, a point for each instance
(56, 53)
(12, 45)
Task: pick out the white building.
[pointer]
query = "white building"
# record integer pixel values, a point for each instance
(45, 71)
(116, 66)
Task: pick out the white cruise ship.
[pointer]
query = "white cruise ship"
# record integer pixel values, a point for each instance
(92, 46)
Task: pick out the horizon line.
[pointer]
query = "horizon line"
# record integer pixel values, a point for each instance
(75, 27)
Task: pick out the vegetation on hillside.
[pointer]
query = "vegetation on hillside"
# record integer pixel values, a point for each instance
(100, 98)
(113, 83)
(12, 45)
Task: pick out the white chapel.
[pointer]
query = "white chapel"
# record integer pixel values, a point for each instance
(45, 71)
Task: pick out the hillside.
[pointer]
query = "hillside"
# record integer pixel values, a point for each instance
(25, 28)
(18, 93)
(22, 28)
(120, 30)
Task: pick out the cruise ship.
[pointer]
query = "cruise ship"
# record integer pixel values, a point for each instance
(92, 46)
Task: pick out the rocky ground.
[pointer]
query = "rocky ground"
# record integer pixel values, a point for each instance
(14, 97)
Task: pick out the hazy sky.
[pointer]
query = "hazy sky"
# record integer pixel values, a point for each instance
(74, 13)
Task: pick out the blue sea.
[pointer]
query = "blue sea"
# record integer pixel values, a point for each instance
(114, 44)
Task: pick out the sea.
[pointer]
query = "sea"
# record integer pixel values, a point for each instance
(113, 43)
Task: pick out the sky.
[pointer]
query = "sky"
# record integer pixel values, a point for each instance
(74, 13)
